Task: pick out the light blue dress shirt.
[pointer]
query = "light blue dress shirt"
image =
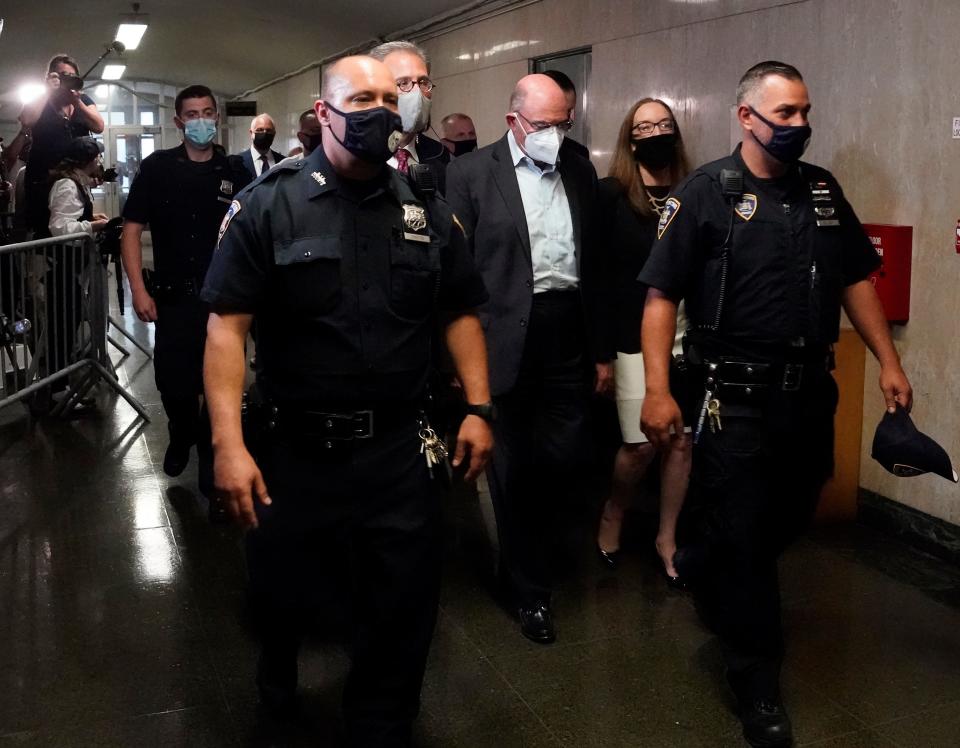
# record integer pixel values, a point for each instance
(549, 223)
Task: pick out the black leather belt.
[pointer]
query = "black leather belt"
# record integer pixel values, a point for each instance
(333, 427)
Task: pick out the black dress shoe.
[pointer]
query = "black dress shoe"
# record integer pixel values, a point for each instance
(766, 724)
(610, 559)
(536, 623)
(176, 457)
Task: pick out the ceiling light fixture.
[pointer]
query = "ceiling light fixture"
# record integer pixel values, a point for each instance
(113, 72)
(132, 27)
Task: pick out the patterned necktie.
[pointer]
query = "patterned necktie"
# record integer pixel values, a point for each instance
(266, 165)
(403, 156)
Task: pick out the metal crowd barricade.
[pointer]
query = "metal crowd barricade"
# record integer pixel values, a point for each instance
(53, 322)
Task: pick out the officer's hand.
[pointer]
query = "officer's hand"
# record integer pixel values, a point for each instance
(144, 306)
(238, 480)
(476, 440)
(604, 382)
(659, 413)
(98, 224)
(896, 388)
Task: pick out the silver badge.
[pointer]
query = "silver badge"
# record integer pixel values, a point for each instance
(393, 142)
(414, 217)
(226, 187)
(319, 178)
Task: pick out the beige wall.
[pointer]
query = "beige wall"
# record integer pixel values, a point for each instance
(882, 75)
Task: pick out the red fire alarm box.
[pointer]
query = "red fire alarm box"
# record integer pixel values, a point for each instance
(894, 244)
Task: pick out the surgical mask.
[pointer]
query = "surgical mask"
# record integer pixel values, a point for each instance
(371, 135)
(656, 152)
(263, 140)
(464, 146)
(543, 145)
(788, 142)
(200, 132)
(414, 110)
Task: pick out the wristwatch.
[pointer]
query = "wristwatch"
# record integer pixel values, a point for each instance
(486, 411)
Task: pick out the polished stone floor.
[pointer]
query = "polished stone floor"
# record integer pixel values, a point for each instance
(122, 624)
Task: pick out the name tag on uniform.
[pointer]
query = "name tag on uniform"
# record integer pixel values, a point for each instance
(823, 207)
(415, 223)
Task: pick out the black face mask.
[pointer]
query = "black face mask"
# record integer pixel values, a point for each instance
(464, 146)
(655, 152)
(788, 142)
(263, 140)
(310, 143)
(371, 134)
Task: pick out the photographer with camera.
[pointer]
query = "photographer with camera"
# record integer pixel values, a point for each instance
(52, 122)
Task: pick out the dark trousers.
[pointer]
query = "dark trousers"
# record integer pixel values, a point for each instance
(365, 518)
(181, 334)
(539, 444)
(754, 488)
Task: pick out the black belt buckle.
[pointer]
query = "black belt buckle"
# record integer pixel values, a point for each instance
(792, 377)
(363, 428)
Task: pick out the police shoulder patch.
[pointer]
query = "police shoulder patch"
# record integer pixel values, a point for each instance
(747, 206)
(234, 208)
(667, 214)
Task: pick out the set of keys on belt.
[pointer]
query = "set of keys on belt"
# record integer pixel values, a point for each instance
(711, 409)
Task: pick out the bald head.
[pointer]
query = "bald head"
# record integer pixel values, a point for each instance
(355, 73)
(537, 91)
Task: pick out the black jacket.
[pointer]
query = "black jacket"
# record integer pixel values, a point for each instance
(247, 159)
(483, 191)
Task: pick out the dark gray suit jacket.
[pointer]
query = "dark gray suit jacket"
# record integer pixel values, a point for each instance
(247, 159)
(483, 191)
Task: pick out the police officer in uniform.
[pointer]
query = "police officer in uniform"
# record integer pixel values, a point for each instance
(183, 194)
(765, 250)
(345, 265)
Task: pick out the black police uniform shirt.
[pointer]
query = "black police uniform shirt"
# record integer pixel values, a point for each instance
(344, 279)
(786, 275)
(184, 203)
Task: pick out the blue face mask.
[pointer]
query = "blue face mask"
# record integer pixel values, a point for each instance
(200, 132)
(788, 142)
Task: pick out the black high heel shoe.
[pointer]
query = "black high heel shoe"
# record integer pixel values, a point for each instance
(610, 559)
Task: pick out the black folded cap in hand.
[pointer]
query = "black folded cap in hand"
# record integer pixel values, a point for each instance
(904, 451)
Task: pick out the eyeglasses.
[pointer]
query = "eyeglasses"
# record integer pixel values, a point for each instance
(664, 125)
(538, 126)
(406, 84)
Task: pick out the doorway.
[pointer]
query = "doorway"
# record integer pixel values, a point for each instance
(575, 64)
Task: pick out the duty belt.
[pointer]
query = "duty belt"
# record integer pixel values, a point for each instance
(753, 378)
(333, 427)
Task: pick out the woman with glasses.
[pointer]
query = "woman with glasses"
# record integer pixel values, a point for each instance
(648, 160)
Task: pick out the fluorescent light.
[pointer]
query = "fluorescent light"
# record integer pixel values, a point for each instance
(131, 32)
(31, 92)
(113, 72)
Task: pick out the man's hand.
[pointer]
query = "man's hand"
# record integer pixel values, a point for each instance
(476, 440)
(99, 224)
(238, 480)
(144, 305)
(896, 388)
(659, 413)
(604, 380)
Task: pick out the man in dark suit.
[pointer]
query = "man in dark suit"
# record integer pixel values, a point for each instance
(409, 65)
(259, 157)
(529, 219)
(570, 92)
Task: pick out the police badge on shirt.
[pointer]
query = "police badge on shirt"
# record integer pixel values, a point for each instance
(415, 223)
